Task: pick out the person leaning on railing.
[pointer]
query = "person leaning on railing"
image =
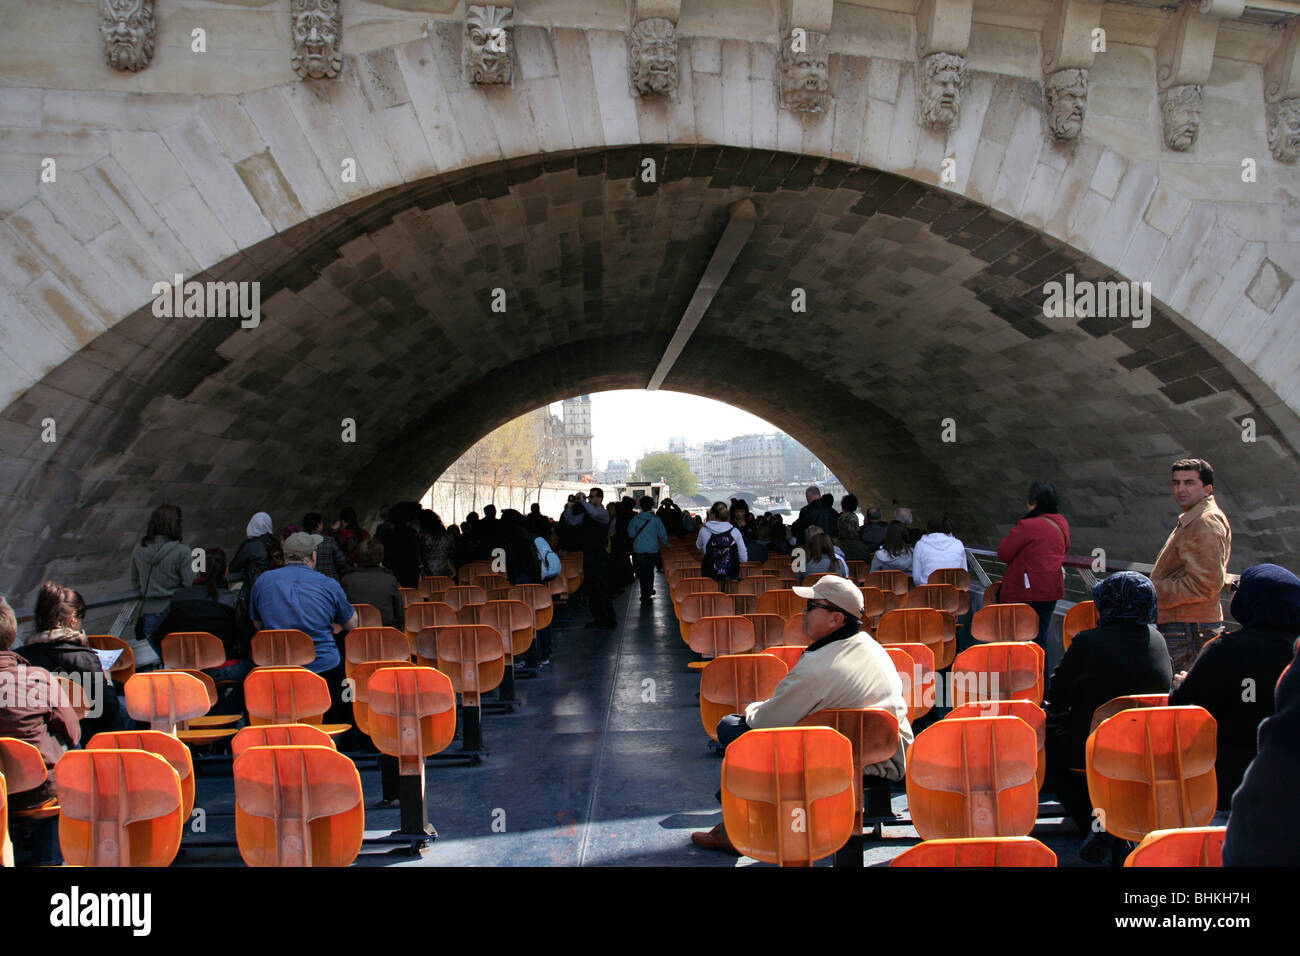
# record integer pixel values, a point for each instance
(1034, 552)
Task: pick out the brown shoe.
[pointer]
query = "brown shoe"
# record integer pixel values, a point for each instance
(715, 839)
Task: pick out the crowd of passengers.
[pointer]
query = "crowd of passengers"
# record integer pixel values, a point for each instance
(1161, 633)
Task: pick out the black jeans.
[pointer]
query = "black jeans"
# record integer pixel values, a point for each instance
(645, 572)
(595, 578)
(1045, 610)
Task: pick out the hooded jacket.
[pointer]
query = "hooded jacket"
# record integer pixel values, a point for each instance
(159, 567)
(712, 527)
(935, 551)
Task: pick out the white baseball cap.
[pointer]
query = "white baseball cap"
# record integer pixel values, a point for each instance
(837, 591)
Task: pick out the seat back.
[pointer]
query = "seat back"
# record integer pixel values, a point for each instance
(1193, 846)
(297, 806)
(281, 735)
(1004, 622)
(285, 695)
(427, 614)
(693, 584)
(916, 625)
(1128, 702)
(21, 767)
(787, 794)
(974, 777)
(978, 851)
(374, 644)
(957, 577)
(164, 699)
(782, 601)
(703, 604)
(769, 630)
(473, 656)
(538, 599)
(466, 574)
(154, 742)
(873, 604)
(895, 581)
(1005, 670)
(464, 596)
(941, 597)
(1153, 769)
(70, 693)
(283, 648)
(435, 582)
(858, 571)
(872, 732)
(731, 682)
(124, 667)
(789, 654)
(915, 666)
(118, 808)
(411, 596)
(513, 620)
(1081, 617)
(725, 634)
(756, 585)
(1026, 710)
(192, 651)
(368, 615)
(412, 714)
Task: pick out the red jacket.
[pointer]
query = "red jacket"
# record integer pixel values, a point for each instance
(1035, 548)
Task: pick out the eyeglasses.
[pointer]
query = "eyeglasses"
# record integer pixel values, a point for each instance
(811, 605)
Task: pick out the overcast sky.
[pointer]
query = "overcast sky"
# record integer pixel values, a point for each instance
(629, 423)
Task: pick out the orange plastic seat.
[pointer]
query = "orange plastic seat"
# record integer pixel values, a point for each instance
(288, 695)
(1008, 670)
(1153, 769)
(1193, 846)
(724, 634)
(694, 584)
(700, 604)
(873, 604)
(154, 742)
(297, 806)
(490, 580)
(165, 699)
(872, 732)
(471, 655)
(992, 593)
(425, 615)
(466, 574)
(941, 597)
(748, 568)
(435, 582)
(118, 808)
(464, 596)
(792, 634)
(731, 682)
(207, 728)
(973, 777)
(782, 601)
(756, 585)
(374, 644)
(22, 768)
(858, 571)
(513, 620)
(1026, 710)
(957, 577)
(1128, 702)
(978, 851)
(192, 650)
(412, 714)
(787, 794)
(124, 667)
(1081, 617)
(281, 735)
(895, 581)
(283, 648)
(538, 600)
(69, 693)
(410, 596)
(915, 666)
(1004, 622)
(789, 654)
(918, 625)
(769, 630)
(368, 615)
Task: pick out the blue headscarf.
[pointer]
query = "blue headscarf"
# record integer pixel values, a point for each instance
(1125, 598)
(1268, 597)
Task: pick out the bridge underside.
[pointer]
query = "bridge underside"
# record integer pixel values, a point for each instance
(921, 307)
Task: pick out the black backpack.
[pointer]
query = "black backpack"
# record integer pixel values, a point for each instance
(721, 557)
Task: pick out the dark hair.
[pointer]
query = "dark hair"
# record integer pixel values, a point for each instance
(8, 626)
(939, 524)
(1199, 465)
(489, 511)
(596, 491)
(873, 514)
(370, 553)
(895, 539)
(1042, 495)
(849, 503)
(430, 523)
(348, 516)
(311, 521)
(57, 606)
(646, 503)
(164, 522)
(274, 555)
(215, 575)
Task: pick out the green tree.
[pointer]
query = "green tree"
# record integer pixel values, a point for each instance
(671, 468)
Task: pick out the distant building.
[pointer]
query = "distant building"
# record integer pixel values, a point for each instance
(677, 446)
(578, 459)
(617, 471)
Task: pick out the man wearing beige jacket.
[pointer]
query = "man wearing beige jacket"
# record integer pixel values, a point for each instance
(842, 667)
(1192, 567)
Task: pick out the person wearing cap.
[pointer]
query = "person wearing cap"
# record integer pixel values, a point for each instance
(299, 597)
(842, 667)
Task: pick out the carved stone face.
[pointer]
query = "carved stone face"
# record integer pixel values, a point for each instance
(805, 73)
(653, 56)
(128, 27)
(317, 34)
(942, 76)
(487, 44)
(1066, 92)
(1284, 130)
(1180, 110)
